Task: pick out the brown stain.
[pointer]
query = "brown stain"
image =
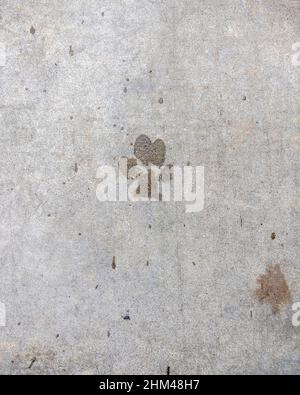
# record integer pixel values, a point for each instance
(114, 265)
(273, 236)
(131, 162)
(148, 152)
(273, 288)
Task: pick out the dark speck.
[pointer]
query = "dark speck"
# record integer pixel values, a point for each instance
(126, 318)
(102, 14)
(273, 236)
(32, 30)
(71, 51)
(57, 336)
(168, 371)
(114, 265)
(125, 90)
(76, 168)
(161, 100)
(79, 234)
(244, 98)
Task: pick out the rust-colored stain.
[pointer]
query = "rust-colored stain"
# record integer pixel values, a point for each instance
(273, 288)
(148, 152)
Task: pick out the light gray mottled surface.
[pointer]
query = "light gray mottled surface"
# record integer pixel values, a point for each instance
(230, 103)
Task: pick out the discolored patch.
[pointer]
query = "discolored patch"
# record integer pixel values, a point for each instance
(273, 288)
(148, 152)
(131, 162)
(32, 30)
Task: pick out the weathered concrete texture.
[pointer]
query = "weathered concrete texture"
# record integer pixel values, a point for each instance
(214, 80)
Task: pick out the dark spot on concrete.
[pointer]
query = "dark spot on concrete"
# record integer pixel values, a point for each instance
(127, 79)
(131, 162)
(161, 100)
(125, 90)
(32, 30)
(114, 265)
(19, 323)
(273, 288)
(12, 361)
(102, 13)
(76, 168)
(151, 71)
(71, 51)
(241, 221)
(126, 317)
(82, 22)
(57, 336)
(147, 263)
(150, 226)
(108, 333)
(49, 215)
(71, 117)
(114, 125)
(168, 371)
(79, 234)
(45, 91)
(251, 314)
(32, 362)
(244, 98)
(273, 236)
(194, 263)
(97, 286)
(148, 152)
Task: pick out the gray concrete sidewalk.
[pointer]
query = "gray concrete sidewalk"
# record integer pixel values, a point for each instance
(146, 288)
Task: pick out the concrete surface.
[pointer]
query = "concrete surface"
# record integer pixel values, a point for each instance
(79, 82)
